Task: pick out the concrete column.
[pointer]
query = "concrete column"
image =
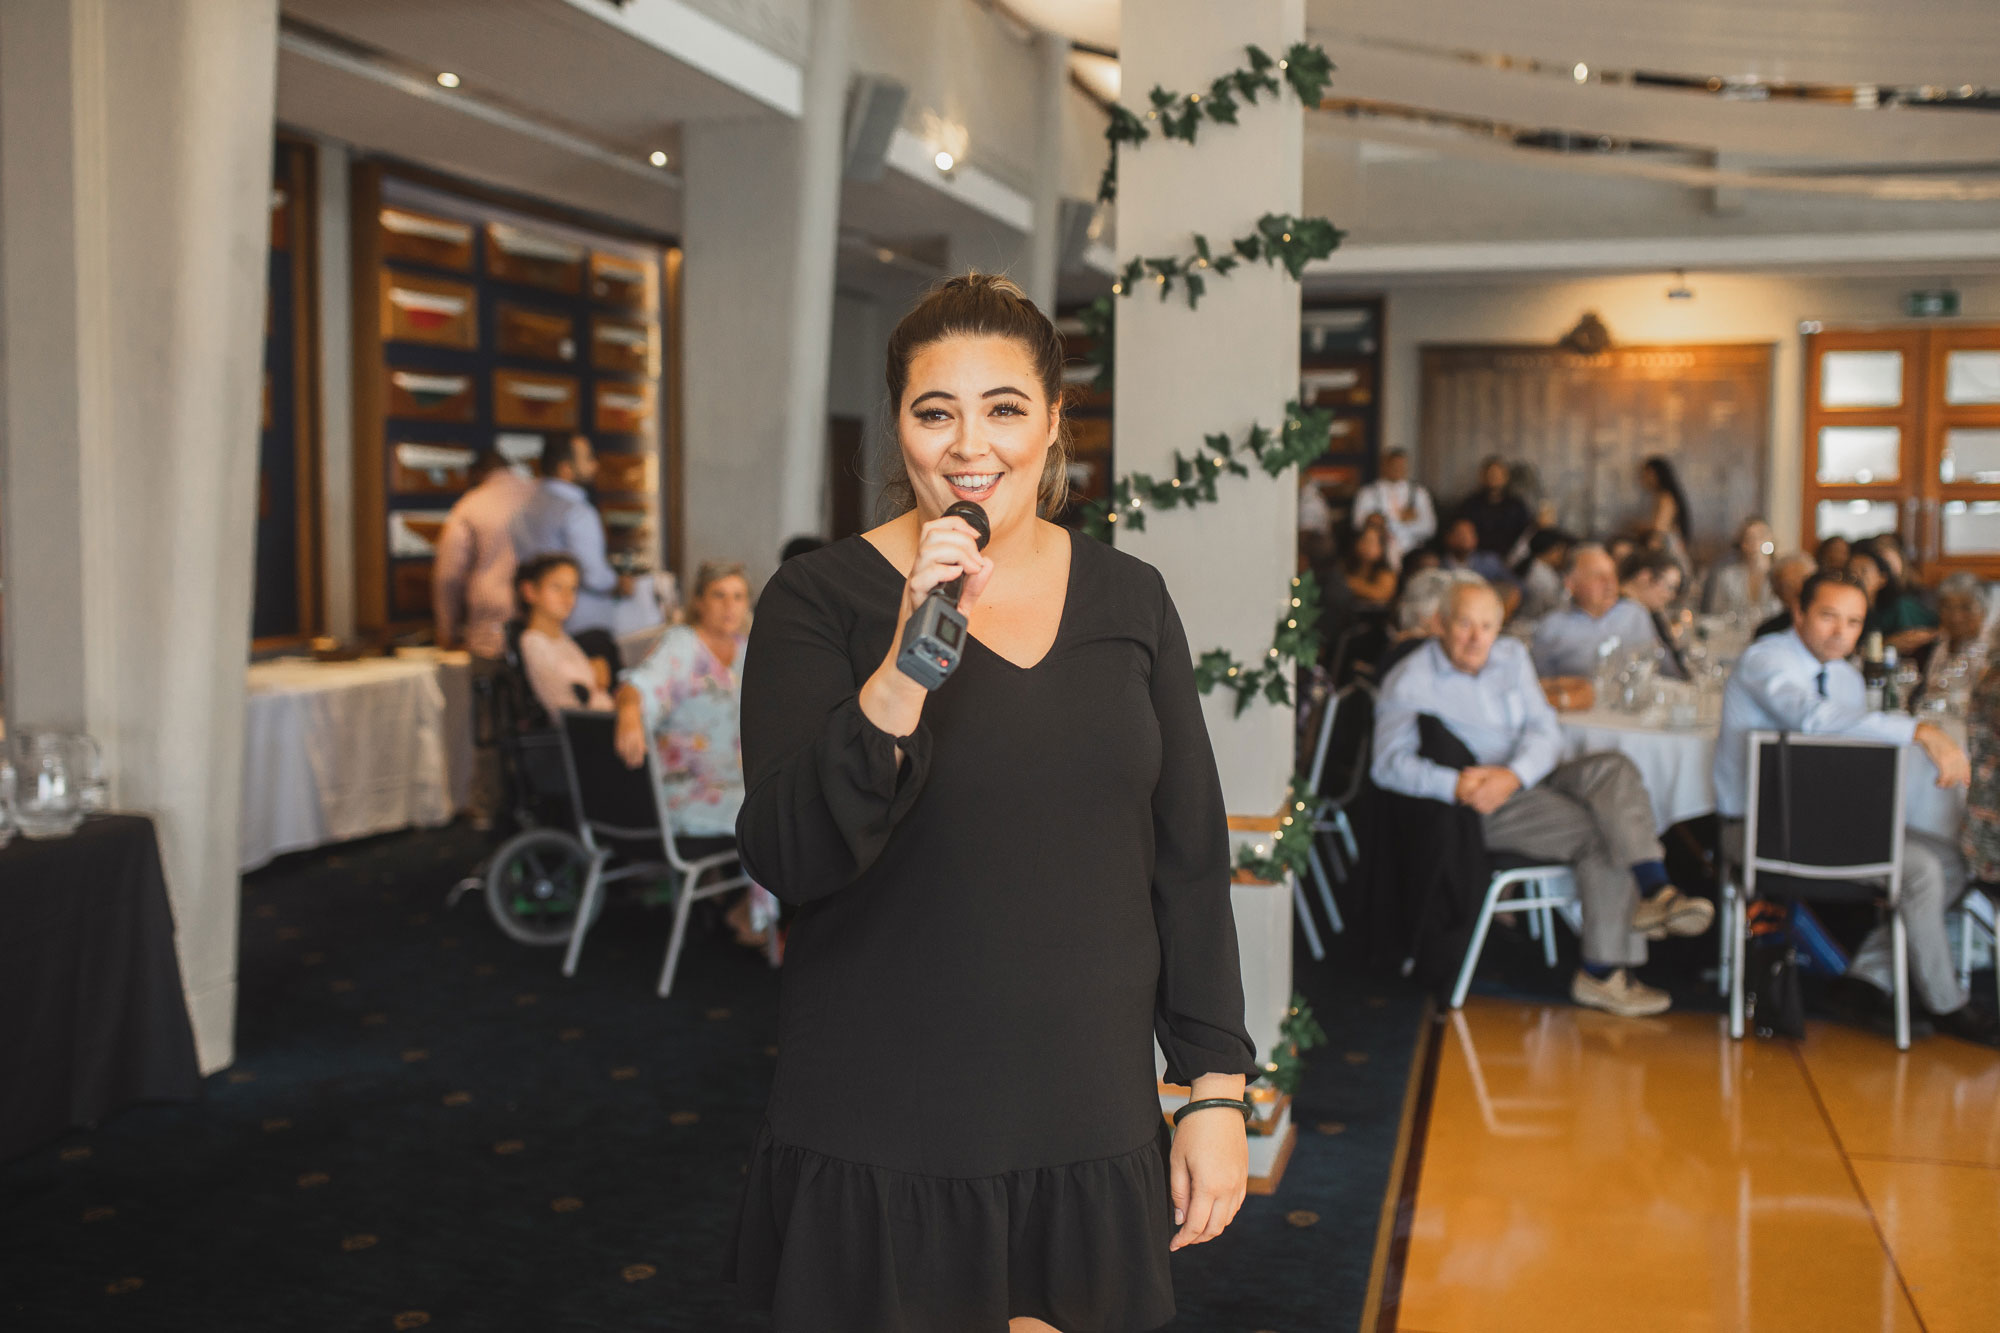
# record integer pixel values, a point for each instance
(135, 177)
(1051, 101)
(1183, 373)
(761, 225)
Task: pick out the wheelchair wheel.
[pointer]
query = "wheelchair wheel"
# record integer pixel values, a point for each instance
(534, 885)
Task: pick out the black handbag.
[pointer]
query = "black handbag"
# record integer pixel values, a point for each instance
(1773, 1004)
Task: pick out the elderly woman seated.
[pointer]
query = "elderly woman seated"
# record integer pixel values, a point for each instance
(1957, 660)
(684, 698)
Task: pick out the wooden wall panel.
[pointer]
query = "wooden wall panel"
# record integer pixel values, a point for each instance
(1585, 422)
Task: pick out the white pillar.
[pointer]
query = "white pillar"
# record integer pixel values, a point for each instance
(135, 177)
(761, 225)
(1184, 373)
(1051, 100)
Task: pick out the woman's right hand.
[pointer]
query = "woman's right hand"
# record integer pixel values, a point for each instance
(946, 549)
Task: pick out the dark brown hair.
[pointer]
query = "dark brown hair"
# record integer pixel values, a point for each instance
(980, 305)
(531, 572)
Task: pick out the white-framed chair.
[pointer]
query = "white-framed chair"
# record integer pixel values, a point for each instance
(1544, 891)
(1340, 755)
(616, 804)
(1976, 920)
(1823, 820)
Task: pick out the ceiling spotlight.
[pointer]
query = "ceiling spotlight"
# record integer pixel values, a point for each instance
(1581, 73)
(945, 161)
(658, 159)
(447, 80)
(885, 255)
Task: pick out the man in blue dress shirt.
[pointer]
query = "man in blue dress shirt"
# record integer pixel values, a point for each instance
(1591, 813)
(1567, 641)
(561, 518)
(1801, 680)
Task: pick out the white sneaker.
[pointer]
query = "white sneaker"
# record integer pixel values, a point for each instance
(1620, 993)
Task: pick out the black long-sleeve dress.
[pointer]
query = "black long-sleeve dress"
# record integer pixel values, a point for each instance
(963, 1126)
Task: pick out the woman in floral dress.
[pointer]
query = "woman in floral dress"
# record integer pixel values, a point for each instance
(685, 697)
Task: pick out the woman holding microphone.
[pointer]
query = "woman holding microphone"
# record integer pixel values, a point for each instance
(1006, 887)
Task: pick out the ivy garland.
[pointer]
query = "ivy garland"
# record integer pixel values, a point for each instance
(1298, 1032)
(1302, 438)
(1307, 68)
(1279, 238)
(1294, 639)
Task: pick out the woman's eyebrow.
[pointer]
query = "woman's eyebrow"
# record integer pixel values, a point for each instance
(934, 393)
(1005, 388)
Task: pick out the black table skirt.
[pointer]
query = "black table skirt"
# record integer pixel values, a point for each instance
(92, 1017)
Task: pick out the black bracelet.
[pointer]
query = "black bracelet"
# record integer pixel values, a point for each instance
(1242, 1105)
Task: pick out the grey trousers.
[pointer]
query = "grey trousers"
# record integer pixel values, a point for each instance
(1933, 881)
(1591, 813)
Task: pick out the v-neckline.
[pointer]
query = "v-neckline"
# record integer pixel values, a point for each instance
(1062, 617)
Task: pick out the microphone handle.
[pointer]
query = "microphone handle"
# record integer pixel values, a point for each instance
(950, 591)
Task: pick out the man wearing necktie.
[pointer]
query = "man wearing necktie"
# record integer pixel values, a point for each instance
(1802, 681)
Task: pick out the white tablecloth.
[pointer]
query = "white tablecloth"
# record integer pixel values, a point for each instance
(1677, 765)
(339, 750)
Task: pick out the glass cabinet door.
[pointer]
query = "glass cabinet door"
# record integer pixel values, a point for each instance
(1962, 448)
(1861, 432)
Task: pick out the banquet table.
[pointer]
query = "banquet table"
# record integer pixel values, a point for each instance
(92, 1017)
(1676, 763)
(339, 750)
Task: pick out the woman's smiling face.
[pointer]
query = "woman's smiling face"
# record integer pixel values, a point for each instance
(975, 424)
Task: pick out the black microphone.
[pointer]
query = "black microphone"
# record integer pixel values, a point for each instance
(934, 638)
(982, 532)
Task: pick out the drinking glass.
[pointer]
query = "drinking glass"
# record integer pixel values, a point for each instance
(46, 801)
(6, 798)
(93, 792)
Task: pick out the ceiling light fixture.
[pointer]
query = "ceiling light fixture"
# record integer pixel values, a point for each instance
(447, 79)
(944, 160)
(1581, 73)
(1680, 291)
(658, 159)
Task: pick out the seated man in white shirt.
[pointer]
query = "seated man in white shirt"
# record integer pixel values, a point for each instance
(1568, 641)
(1800, 680)
(1591, 813)
(1407, 506)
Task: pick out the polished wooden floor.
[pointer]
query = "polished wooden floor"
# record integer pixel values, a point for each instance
(1592, 1173)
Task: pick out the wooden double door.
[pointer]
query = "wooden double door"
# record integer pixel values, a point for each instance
(1902, 434)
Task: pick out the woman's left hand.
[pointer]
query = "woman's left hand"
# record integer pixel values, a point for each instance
(631, 735)
(1209, 1173)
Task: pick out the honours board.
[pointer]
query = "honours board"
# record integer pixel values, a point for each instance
(486, 328)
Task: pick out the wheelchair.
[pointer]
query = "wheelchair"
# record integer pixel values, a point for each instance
(582, 821)
(534, 880)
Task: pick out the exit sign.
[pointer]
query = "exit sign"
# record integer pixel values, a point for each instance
(1926, 305)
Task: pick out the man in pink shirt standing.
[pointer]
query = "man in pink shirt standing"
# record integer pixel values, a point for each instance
(472, 594)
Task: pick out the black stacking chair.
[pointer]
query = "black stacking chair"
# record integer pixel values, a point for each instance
(1824, 823)
(619, 812)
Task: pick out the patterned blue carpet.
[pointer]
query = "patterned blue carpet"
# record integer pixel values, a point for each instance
(427, 1126)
